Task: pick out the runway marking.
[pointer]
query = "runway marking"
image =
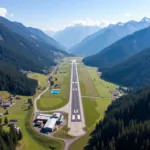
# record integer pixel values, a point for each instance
(78, 116)
(73, 89)
(76, 89)
(73, 117)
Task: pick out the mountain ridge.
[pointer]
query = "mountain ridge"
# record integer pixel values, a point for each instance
(95, 42)
(120, 50)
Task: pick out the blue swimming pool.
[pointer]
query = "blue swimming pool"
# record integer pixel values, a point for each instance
(55, 91)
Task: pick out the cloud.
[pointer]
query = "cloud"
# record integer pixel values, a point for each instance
(127, 15)
(89, 22)
(3, 12)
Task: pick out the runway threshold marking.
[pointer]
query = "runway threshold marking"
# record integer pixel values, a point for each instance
(78, 116)
(73, 117)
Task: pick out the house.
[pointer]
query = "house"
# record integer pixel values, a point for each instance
(57, 86)
(14, 120)
(5, 105)
(50, 125)
(56, 115)
(39, 124)
(43, 117)
(18, 97)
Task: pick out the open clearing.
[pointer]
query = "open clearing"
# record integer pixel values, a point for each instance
(49, 101)
(31, 139)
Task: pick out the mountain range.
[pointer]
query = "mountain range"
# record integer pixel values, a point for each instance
(107, 36)
(120, 50)
(32, 34)
(27, 48)
(74, 34)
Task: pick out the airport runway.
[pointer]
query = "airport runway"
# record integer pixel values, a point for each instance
(75, 106)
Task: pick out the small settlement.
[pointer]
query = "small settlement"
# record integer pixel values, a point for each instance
(48, 122)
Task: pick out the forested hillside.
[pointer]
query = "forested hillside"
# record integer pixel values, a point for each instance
(133, 72)
(23, 54)
(126, 125)
(121, 50)
(32, 34)
(15, 82)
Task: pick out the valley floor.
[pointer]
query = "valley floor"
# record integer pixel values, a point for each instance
(95, 94)
(96, 97)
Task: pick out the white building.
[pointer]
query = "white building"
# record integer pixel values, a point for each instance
(50, 125)
(56, 115)
(44, 117)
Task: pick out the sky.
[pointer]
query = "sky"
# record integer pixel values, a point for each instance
(57, 14)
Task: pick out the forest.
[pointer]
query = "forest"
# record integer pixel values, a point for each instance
(15, 82)
(126, 125)
(9, 140)
(133, 72)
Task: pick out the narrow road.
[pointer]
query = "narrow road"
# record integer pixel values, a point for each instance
(39, 96)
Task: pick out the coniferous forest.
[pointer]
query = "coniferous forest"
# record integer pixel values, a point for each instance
(9, 140)
(126, 125)
(15, 82)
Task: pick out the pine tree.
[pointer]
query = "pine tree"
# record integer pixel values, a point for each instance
(2, 144)
(30, 102)
(20, 136)
(5, 120)
(13, 135)
(0, 121)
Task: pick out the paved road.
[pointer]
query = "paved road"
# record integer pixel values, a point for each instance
(75, 106)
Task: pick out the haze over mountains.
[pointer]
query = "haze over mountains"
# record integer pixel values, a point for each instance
(106, 36)
(74, 34)
(34, 35)
(120, 50)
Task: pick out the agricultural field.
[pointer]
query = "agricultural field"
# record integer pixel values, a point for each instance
(31, 139)
(49, 101)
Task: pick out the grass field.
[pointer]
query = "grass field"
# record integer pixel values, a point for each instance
(80, 143)
(62, 133)
(41, 78)
(31, 139)
(49, 101)
(103, 87)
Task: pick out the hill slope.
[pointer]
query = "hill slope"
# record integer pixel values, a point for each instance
(107, 36)
(134, 71)
(23, 54)
(32, 34)
(126, 125)
(120, 50)
(74, 34)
